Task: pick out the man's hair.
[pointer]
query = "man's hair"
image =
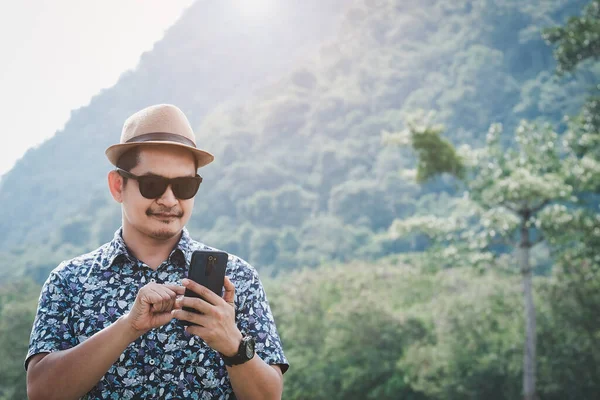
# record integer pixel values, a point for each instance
(131, 158)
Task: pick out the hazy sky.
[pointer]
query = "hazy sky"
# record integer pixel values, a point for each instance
(56, 54)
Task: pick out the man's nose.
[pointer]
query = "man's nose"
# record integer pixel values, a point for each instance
(168, 198)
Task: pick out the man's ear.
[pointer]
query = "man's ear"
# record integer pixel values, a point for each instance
(115, 185)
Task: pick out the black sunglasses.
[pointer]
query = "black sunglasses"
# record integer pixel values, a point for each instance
(153, 186)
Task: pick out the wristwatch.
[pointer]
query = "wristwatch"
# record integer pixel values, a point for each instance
(245, 352)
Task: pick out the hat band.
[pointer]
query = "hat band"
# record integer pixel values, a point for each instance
(162, 137)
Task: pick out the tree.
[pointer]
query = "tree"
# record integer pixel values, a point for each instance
(578, 40)
(476, 352)
(341, 336)
(288, 205)
(576, 233)
(361, 201)
(506, 192)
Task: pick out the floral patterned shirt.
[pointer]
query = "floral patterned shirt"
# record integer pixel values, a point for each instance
(88, 293)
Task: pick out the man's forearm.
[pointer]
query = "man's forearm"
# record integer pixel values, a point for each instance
(256, 379)
(69, 374)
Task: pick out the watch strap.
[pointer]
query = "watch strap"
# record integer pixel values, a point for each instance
(242, 355)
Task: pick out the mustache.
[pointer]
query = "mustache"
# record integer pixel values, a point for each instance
(174, 212)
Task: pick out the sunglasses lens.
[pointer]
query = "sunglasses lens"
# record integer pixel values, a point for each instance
(152, 187)
(185, 188)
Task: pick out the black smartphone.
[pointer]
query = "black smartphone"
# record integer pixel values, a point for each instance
(207, 267)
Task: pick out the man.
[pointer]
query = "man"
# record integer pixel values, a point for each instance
(110, 323)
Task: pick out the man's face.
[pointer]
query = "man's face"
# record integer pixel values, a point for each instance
(164, 217)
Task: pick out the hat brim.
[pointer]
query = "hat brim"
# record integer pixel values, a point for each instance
(114, 152)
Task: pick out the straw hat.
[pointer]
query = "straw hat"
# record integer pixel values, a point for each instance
(161, 124)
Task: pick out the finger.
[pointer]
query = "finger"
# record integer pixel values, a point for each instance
(189, 316)
(164, 295)
(166, 290)
(229, 295)
(195, 303)
(178, 289)
(156, 287)
(150, 299)
(203, 291)
(166, 301)
(177, 304)
(197, 330)
(150, 296)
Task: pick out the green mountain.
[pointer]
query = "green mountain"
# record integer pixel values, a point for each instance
(301, 174)
(213, 55)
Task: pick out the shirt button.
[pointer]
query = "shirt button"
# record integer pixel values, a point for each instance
(151, 362)
(153, 280)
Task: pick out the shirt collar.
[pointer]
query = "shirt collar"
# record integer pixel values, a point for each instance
(184, 246)
(117, 249)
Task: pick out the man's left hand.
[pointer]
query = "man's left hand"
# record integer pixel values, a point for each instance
(216, 325)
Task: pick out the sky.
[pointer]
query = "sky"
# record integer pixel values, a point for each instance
(56, 54)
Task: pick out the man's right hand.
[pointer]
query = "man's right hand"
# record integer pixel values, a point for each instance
(152, 307)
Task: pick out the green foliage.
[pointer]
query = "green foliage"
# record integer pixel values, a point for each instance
(578, 40)
(301, 179)
(367, 330)
(478, 350)
(75, 232)
(435, 154)
(341, 338)
(325, 238)
(507, 191)
(289, 205)
(524, 177)
(572, 300)
(362, 202)
(307, 144)
(583, 137)
(264, 247)
(17, 310)
(391, 330)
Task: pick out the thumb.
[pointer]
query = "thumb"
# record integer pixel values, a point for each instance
(229, 295)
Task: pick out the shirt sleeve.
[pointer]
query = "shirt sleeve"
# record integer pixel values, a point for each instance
(254, 318)
(51, 329)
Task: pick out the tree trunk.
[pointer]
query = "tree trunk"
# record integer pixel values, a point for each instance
(529, 361)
